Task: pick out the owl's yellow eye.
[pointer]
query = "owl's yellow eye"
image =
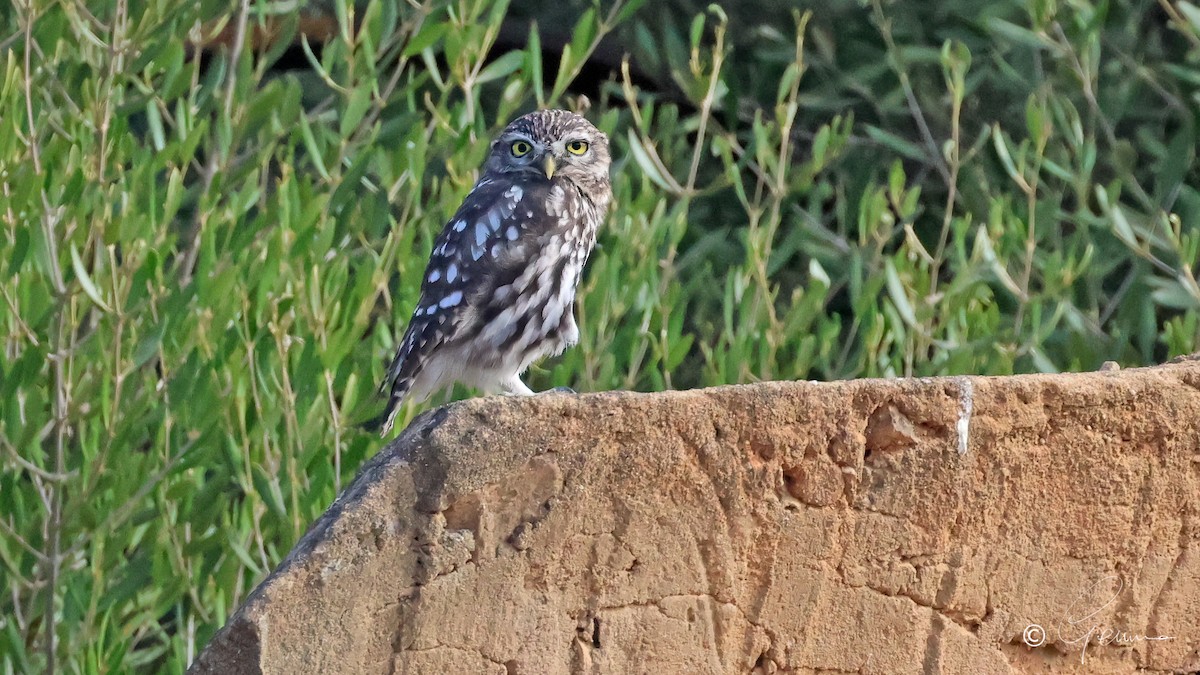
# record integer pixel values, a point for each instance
(577, 147)
(521, 148)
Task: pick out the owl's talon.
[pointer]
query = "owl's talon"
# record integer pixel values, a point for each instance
(562, 390)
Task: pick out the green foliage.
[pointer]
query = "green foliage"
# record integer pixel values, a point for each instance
(204, 263)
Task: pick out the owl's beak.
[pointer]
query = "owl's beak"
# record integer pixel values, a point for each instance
(548, 165)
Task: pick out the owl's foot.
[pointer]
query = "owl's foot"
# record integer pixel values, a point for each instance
(513, 386)
(561, 390)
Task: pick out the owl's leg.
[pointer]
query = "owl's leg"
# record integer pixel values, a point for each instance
(570, 334)
(513, 386)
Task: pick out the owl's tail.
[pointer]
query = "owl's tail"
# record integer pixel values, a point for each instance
(395, 398)
(396, 386)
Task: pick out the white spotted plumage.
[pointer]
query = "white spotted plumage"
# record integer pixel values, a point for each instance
(499, 290)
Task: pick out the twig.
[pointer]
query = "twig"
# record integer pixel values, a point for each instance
(48, 476)
(12, 535)
(718, 54)
(34, 150)
(910, 97)
(15, 313)
(1089, 94)
(53, 524)
(956, 98)
(210, 169)
(1181, 24)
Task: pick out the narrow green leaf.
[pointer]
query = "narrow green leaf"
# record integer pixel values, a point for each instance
(585, 32)
(1191, 12)
(85, 280)
(894, 142)
(1121, 226)
(898, 295)
(627, 11)
(154, 119)
(562, 79)
(501, 67)
(310, 144)
(533, 64)
(425, 38)
(644, 162)
(1005, 158)
(148, 345)
(696, 31)
(356, 107)
(20, 249)
(1017, 34)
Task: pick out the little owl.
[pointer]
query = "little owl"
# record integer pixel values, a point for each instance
(499, 290)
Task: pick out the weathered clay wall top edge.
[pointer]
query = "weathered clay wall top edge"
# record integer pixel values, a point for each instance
(766, 528)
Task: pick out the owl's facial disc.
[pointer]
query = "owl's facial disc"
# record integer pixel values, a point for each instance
(564, 157)
(518, 153)
(551, 144)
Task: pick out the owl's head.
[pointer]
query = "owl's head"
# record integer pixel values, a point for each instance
(551, 144)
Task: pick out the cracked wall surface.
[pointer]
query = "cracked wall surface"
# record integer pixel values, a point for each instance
(898, 526)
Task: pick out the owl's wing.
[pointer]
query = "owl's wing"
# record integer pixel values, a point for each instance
(487, 233)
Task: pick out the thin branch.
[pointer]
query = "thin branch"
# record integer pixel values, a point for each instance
(1181, 23)
(210, 169)
(914, 107)
(718, 54)
(48, 476)
(53, 523)
(34, 150)
(1089, 94)
(956, 98)
(12, 535)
